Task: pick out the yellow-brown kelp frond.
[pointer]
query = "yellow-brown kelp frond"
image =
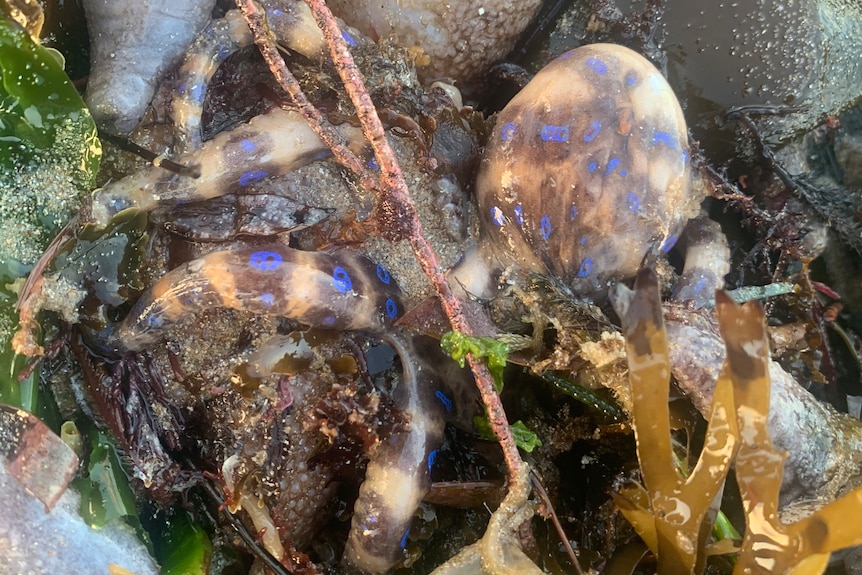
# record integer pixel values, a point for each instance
(676, 513)
(769, 546)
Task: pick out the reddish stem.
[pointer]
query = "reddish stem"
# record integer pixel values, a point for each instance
(396, 212)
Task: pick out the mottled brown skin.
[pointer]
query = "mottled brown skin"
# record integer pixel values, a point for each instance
(587, 171)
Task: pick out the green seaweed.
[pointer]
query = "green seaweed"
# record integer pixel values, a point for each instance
(49, 156)
(495, 353)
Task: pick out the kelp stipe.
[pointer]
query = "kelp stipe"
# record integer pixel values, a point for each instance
(673, 514)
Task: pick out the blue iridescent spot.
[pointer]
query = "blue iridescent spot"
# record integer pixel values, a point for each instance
(372, 163)
(519, 215)
(404, 539)
(555, 133)
(612, 164)
(197, 92)
(592, 167)
(631, 78)
(497, 216)
(546, 226)
(573, 213)
(328, 321)
(624, 172)
(632, 201)
(699, 285)
(597, 65)
(383, 274)
(685, 156)
(391, 308)
(444, 399)
(155, 320)
(341, 279)
(265, 261)
(275, 12)
(252, 176)
(507, 132)
(223, 53)
(248, 145)
(593, 131)
(566, 55)
(665, 137)
(181, 89)
(668, 244)
(583, 240)
(431, 457)
(586, 268)
(267, 299)
(351, 41)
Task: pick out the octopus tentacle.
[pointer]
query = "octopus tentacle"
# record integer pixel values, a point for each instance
(339, 290)
(293, 24)
(269, 145)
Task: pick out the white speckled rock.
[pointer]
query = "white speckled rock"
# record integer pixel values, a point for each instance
(453, 39)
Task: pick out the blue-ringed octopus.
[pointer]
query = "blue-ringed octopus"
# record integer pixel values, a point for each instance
(562, 168)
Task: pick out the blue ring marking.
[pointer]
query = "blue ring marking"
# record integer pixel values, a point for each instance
(223, 53)
(119, 204)
(632, 202)
(391, 308)
(592, 167)
(593, 131)
(631, 78)
(507, 132)
(403, 542)
(551, 133)
(519, 215)
(328, 321)
(383, 274)
(197, 93)
(351, 41)
(665, 137)
(372, 163)
(155, 320)
(181, 89)
(431, 458)
(497, 216)
(699, 285)
(612, 164)
(583, 240)
(265, 261)
(247, 145)
(685, 156)
(668, 244)
(586, 268)
(573, 213)
(444, 399)
(341, 279)
(597, 65)
(275, 12)
(252, 176)
(565, 55)
(267, 299)
(624, 172)
(546, 226)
